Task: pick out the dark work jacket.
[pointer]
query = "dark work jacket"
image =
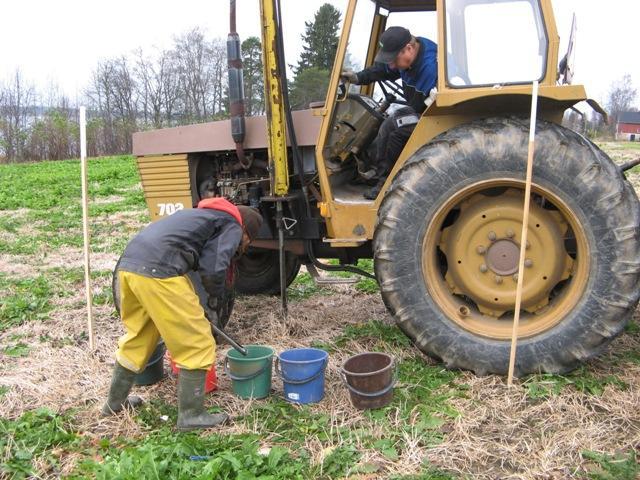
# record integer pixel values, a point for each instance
(417, 81)
(201, 239)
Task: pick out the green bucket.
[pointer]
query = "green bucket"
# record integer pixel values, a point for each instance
(154, 370)
(251, 374)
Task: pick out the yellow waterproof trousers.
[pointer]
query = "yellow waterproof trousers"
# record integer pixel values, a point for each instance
(167, 307)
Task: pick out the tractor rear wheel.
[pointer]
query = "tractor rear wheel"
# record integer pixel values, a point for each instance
(259, 271)
(446, 248)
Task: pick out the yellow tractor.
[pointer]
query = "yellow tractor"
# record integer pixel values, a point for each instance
(444, 230)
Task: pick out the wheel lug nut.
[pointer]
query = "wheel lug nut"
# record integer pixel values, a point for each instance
(492, 236)
(527, 246)
(515, 277)
(510, 233)
(498, 279)
(481, 250)
(528, 263)
(484, 268)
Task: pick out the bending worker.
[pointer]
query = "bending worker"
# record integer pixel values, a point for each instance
(157, 299)
(414, 60)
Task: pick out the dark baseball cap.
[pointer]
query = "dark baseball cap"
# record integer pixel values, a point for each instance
(251, 220)
(391, 42)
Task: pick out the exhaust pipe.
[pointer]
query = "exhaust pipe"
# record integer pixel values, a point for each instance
(236, 87)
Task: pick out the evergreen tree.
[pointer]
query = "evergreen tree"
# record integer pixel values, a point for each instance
(320, 43)
(253, 76)
(309, 86)
(320, 40)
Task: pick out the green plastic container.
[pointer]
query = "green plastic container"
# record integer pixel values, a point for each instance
(250, 375)
(154, 371)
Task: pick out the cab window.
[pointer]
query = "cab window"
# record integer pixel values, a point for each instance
(491, 42)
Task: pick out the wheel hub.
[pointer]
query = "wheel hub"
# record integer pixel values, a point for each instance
(503, 256)
(482, 250)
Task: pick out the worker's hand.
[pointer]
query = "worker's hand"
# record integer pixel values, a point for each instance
(212, 316)
(350, 76)
(212, 303)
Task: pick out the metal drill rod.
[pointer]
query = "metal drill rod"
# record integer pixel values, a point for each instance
(226, 336)
(283, 275)
(231, 341)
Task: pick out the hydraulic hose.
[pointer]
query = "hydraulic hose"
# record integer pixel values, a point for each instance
(287, 110)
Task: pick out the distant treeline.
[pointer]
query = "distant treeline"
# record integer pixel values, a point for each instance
(150, 89)
(147, 89)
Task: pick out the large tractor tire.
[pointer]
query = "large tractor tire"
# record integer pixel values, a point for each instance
(259, 271)
(446, 248)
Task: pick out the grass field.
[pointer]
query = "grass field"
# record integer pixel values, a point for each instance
(441, 424)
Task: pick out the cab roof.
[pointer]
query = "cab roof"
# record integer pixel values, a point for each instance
(407, 5)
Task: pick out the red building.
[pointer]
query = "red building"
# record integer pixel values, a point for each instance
(628, 127)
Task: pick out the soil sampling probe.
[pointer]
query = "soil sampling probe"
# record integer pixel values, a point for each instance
(226, 336)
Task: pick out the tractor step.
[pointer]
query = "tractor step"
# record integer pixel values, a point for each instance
(328, 279)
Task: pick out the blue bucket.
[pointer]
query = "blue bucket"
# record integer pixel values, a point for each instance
(302, 373)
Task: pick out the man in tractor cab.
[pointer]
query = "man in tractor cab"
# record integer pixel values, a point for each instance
(157, 299)
(414, 60)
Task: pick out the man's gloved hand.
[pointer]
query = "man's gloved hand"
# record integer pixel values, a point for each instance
(212, 316)
(211, 310)
(209, 284)
(212, 303)
(350, 76)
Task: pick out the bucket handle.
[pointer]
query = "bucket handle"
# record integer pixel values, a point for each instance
(379, 393)
(303, 381)
(239, 378)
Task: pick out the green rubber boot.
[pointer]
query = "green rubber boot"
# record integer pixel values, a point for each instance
(191, 412)
(119, 399)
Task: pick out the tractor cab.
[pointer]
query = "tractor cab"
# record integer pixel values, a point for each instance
(489, 52)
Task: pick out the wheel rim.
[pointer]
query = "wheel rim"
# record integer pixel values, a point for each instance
(471, 253)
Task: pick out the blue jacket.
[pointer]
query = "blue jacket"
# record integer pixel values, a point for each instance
(417, 81)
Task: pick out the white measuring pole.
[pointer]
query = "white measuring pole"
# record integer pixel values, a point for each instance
(85, 225)
(525, 230)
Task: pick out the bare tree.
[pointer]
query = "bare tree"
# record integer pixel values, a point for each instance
(202, 70)
(191, 54)
(218, 72)
(16, 110)
(156, 81)
(148, 96)
(621, 98)
(170, 81)
(113, 95)
(125, 102)
(100, 100)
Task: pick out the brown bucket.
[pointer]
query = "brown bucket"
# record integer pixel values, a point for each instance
(370, 379)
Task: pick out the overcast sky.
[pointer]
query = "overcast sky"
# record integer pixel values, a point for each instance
(59, 42)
